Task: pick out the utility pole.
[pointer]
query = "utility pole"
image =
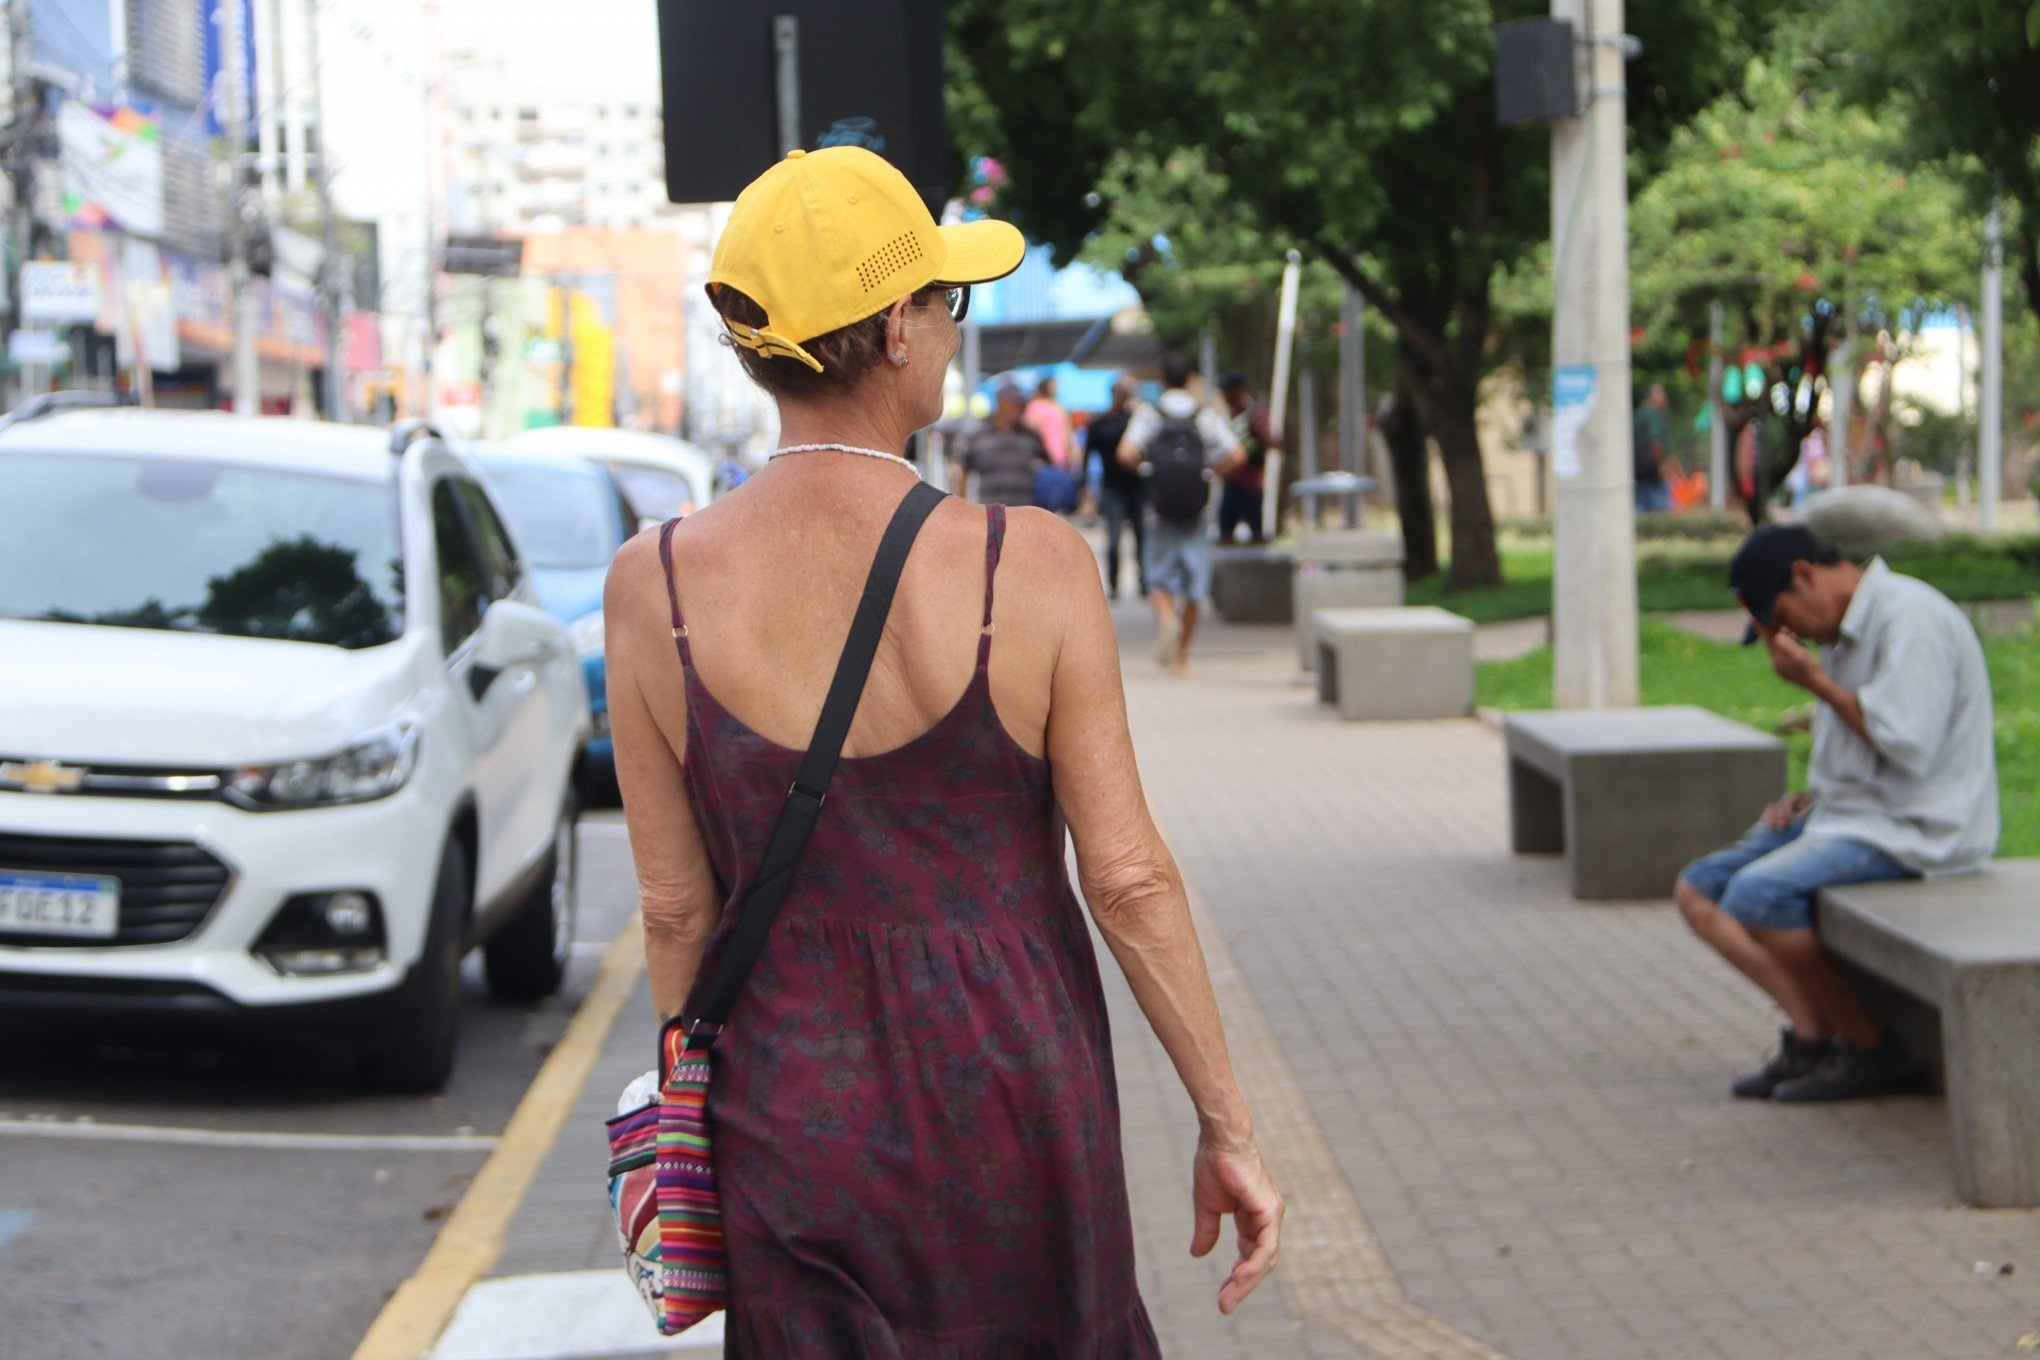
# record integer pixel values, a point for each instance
(23, 115)
(1717, 414)
(331, 295)
(240, 283)
(1352, 382)
(1594, 519)
(1990, 414)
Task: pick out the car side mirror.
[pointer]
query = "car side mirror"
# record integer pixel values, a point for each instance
(513, 634)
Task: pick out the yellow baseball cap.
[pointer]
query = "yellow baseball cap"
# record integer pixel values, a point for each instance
(828, 237)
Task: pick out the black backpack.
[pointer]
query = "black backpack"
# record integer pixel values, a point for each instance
(1179, 483)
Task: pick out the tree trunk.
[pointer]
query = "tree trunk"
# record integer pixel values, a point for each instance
(1448, 400)
(1402, 429)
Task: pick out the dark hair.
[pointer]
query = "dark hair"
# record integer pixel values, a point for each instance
(847, 354)
(1176, 369)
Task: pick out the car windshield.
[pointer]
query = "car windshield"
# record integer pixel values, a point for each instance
(199, 547)
(654, 492)
(562, 517)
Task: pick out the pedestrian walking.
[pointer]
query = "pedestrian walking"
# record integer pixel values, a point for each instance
(1122, 498)
(1045, 416)
(1243, 492)
(1178, 445)
(914, 1118)
(1650, 453)
(1005, 456)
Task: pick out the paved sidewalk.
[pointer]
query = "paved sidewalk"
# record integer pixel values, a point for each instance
(1524, 1097)
(1527, 1094)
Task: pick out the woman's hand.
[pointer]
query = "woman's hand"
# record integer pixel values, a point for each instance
(1232, 1180)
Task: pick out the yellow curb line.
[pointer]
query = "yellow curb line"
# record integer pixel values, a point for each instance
(1333, 1268)
(410, 1323)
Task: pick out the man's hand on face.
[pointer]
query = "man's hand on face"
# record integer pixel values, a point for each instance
(1794, 664)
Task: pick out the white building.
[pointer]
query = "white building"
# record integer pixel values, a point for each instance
(518, 158)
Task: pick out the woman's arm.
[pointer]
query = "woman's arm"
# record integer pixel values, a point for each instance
(677, 890)
(1137, 897)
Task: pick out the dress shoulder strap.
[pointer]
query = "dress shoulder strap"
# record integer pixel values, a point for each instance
(673, 595)
(995, 542)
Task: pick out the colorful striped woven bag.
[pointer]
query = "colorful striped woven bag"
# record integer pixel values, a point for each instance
(662, 1190)
(662, 1183)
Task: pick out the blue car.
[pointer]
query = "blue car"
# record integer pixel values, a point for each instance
(569, 518)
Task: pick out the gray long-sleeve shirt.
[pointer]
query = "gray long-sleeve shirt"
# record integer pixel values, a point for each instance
(1924, 787)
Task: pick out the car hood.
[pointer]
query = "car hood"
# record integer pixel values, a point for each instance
(138, 696)
(567, 593)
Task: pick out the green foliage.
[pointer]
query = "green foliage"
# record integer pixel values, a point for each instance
(1797, 211)
(1675, 574)
(1675, 667)
(1362, 132)
(1965, 79)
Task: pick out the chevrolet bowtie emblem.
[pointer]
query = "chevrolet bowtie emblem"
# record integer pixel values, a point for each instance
(42, 776)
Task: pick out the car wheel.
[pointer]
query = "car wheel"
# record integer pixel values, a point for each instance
(598, 786)
(526, 960)
(417, 1054)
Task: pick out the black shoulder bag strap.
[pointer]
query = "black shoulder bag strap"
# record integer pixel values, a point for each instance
(757, 908)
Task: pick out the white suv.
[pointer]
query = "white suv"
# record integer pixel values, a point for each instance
(282, 731)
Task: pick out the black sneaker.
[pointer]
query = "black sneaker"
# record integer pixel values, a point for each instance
(1796, 1057)
(1850, 1073)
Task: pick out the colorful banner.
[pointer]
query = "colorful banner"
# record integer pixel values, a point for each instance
(111, 164)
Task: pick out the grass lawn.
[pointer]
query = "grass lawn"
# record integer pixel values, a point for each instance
(1678, 668)
(1683, 573)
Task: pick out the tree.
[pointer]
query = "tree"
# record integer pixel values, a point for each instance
(1964, 76)
(1363, 132)
(1794, 210)
(1174, 230)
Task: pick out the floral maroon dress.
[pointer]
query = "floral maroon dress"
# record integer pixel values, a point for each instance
(915, 1118)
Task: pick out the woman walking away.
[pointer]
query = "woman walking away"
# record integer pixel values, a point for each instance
(914, 1112)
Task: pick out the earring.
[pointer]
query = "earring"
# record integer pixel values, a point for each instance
(900, 358)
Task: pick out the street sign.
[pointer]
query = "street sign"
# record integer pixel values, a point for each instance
(864, 73)
(59, 293)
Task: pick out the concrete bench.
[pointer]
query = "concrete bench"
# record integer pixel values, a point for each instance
(1632, 795)
(1251, 584)
(1343, 569)
(1952, 966)
(1395, 663)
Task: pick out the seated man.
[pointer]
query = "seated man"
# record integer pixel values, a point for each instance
(1903, 782)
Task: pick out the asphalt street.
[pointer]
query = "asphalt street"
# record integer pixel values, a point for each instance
(247, 1201)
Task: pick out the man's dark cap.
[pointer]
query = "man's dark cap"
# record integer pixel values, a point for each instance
(1762, 566)
(1234, 378)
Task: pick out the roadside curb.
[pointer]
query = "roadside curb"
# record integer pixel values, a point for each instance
(467, 1246)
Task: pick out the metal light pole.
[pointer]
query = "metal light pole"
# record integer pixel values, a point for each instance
(331, 296)
(1717, 414)
(1352, 383)
(1990, 415)
(1594, 525)
(1278, 392)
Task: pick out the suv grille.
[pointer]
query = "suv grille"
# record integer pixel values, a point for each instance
(166, 887)
(22, 775)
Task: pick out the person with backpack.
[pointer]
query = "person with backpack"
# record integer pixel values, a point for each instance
(1179, 447)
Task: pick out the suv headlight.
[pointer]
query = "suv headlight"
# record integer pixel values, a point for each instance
(586, 634)
(374, 765)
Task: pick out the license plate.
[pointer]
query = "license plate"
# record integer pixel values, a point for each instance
(74, 906)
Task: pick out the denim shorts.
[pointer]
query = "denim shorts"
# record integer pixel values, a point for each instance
(1178, 560)
(1768, 878)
